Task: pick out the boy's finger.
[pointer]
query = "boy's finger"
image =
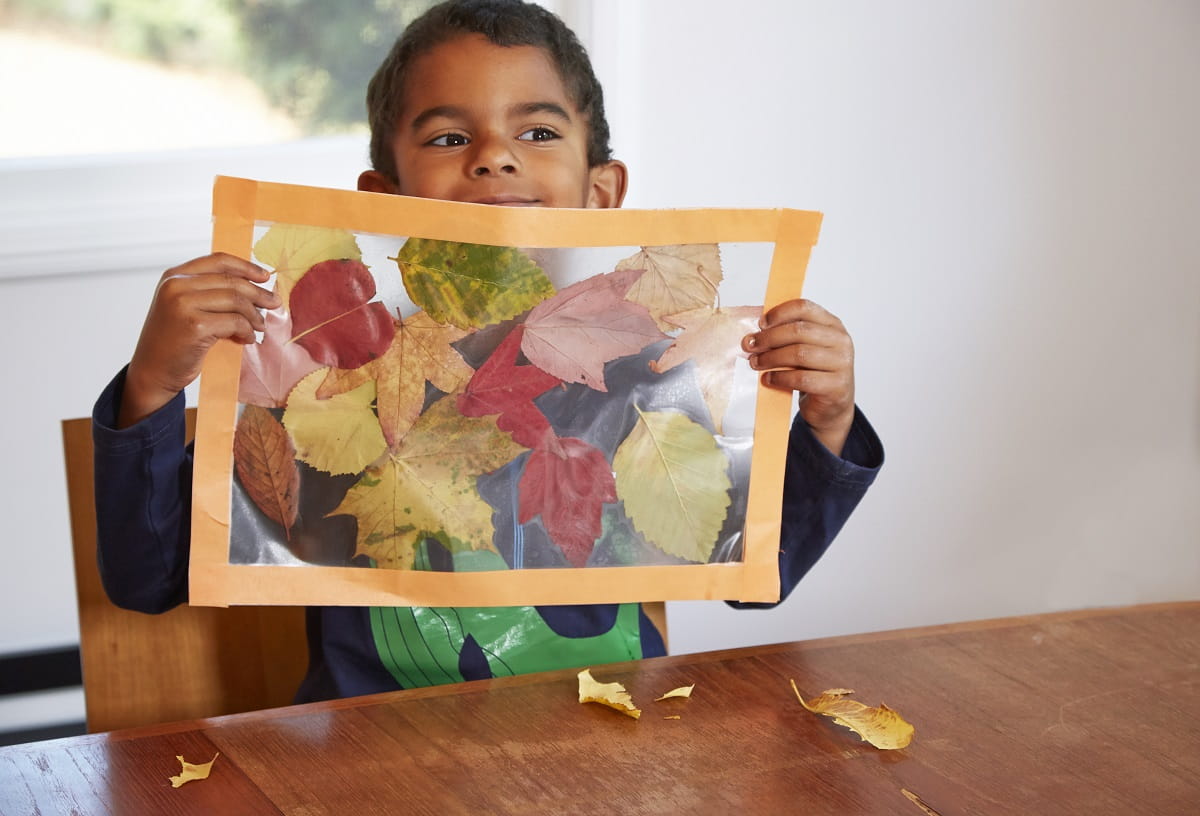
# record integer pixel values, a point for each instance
(797, 333)
(814, 383)
(223, 262)
(798, 310)
(814, 358)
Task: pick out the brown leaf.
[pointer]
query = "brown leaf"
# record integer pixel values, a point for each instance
(881, 726)
(266, 465)
(675, 279)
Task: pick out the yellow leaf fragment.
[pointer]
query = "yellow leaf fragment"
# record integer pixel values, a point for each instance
(191, 771)
(612, 695)
(682, 691)
(881, 726)
(673, 717)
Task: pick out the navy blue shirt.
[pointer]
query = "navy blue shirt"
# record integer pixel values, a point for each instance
(143, 507)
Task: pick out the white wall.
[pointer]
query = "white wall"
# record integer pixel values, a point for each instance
(1011, 193)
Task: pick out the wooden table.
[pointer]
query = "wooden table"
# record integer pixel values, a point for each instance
(1094, 712)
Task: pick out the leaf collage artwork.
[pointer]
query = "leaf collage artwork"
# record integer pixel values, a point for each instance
(415, 400)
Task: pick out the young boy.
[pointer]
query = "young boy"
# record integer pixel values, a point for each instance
(484, 101)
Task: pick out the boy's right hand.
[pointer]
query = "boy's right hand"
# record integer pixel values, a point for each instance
(195, 305)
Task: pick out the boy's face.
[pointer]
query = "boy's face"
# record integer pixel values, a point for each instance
(493, 125)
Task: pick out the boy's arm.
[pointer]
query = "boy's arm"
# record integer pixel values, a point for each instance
(195, 305)
(143, 477)
(833, 452)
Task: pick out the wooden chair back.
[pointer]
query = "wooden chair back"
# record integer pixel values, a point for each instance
(188, 663)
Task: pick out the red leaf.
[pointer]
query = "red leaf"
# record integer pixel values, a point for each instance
(500, 386)
(573, 334)
(332, 318)
(567, 482)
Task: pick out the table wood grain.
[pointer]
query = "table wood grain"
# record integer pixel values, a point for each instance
(1090, 712)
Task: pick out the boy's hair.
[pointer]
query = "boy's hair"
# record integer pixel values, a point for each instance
(505, 23)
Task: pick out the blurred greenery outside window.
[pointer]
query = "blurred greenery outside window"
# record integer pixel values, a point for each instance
(96, 76)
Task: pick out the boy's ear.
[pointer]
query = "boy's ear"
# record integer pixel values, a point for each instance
(372, 181)
(607, 185)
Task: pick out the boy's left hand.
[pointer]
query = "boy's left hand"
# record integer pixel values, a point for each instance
(804, 348)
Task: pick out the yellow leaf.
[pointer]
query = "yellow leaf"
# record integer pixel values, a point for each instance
(882, 727)
(337, 435)
(612, 695)
(292, 249)
(674, 481)
(673, 717)
(682, 691)
(420, 351)
(427, 487)
(675, 279)
(191, 771)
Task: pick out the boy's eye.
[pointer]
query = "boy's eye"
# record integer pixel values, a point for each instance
(539, 134)
(448, 140)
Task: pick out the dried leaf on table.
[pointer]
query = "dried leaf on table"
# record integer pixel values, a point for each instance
(573, 334)
(612, 695)
(470, 285)
(711, 340)
(880, 726)
(192, 772)
(420, 350)
(266, 466)
(682, 691)
(337, 435)
(675, 279)
(293, 249)
(674, 481)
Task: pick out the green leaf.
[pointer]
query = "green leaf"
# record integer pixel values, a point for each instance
(470, 285)
(674, 481)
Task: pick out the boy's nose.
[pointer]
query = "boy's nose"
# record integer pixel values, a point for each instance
(492, 157)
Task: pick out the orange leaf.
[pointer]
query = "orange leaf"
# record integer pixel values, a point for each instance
(266, 465)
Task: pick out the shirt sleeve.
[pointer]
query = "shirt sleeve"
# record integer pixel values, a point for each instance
(820, 491)
(143, 503)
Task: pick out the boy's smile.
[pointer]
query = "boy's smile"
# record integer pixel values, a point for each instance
(488, 124)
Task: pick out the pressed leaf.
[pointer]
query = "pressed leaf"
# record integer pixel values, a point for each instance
(427, 487)
(612, 695)
(293, 249)
(192, 772)
(333, 316)
(271, 369)
(880, 726)
(675, 279)
(500, 386)
(674, 481)
(338, 435)
(567, 482)
(266, 466)
(682, 691)
(470, 285)
(573, 334)
(711, 340)
(420, 352)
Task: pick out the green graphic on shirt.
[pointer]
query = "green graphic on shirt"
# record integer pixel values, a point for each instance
(421, 646)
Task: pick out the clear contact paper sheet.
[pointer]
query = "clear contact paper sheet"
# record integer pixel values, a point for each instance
(462, 405)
